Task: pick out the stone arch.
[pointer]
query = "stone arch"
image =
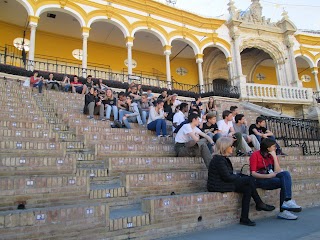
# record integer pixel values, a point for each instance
(154, 31)
(266, 46)
(190, 41)
(307, 58)
(75, 11)
(27, 6)
(122, 25)
(218, 43)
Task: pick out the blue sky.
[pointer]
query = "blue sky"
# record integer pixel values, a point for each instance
(304, 13)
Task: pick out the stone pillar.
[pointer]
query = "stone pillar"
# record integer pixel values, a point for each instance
(167, 53)
(315, 74)
(230, 69)
(295, 82)
(129, 44)
(33, 23)
(199, 61)
(238, 77)
(85, 36)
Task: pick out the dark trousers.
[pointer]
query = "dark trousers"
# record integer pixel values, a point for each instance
(282, 180)
(247, 186)
(39, 85)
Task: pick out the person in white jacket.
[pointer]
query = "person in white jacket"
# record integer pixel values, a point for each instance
(132, 113)
(156, 120)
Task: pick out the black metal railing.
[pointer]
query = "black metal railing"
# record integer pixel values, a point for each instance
(296, 132)
(221, 89)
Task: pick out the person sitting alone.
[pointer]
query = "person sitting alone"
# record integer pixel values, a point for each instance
(188, 142)
(36, 81)
(52, 83)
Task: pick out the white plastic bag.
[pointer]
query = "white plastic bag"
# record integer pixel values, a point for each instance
(26, 83)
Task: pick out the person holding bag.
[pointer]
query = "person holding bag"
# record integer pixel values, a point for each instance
(221, 178)
(265, 168)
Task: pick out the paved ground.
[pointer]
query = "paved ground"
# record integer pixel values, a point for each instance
(307, 227)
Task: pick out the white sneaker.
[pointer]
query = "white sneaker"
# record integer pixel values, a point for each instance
(287, 215)
(291, 206)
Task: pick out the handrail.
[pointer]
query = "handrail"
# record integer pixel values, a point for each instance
(296, 132)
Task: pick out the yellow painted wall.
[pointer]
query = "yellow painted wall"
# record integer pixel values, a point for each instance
(271, 76)
(60, 46)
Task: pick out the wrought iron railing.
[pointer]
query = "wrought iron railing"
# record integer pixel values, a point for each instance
(296, 132)
(221, 89)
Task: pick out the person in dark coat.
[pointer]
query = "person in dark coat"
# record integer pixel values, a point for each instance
(221, 178)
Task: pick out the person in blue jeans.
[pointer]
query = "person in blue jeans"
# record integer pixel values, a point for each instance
(261, 132)
(156, 121)
(131, 114)
(265, 168)
(110, 103)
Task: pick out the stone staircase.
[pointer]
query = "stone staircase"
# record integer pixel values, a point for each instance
(81, 179)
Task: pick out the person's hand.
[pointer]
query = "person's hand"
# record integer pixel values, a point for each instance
(126, 115)
(273, 154)
(204, 117)
(272, 175)
(264, 136)
(165, 114)
(98, 103)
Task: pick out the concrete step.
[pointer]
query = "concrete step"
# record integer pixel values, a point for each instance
(164, 183)
(113, 131)
(10, 166)
(134, 150)
(128, 217)
(46, 135)
(53, 221)
(108, 189)
(150, 164)
(18, 123)
(35, 190)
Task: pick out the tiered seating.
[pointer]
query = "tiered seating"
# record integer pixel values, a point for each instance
(100, 182)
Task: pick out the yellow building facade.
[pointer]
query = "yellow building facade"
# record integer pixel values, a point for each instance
(154, 40)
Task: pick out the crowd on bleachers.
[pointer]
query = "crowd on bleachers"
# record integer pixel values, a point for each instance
(198, 131)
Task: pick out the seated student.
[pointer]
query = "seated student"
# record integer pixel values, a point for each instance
(197, 104)
(156, 121)
(144, 108)
(265, 168)
(226, 127)
(221, 178)
(188, 142)
(65, 84)
(76, 85)
(93, 104)
(52, 83)
(36, 81)
(234, 110)
(179, 116)
(211, 107)
(133, 92)
(210, 127)
(88, 85)
(131, 114)
(101, 86)
(122, 101)
(261, 132)
(110, 103)
(240, 125)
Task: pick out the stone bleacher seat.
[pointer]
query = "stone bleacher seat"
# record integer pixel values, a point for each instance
(81, 179)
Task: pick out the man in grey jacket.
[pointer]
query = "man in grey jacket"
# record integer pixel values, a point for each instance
(132, 114)
(240, 126)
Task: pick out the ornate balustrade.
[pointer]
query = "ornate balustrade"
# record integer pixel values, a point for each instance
(274, 93)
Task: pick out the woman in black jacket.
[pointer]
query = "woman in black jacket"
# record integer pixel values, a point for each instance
(222, 179)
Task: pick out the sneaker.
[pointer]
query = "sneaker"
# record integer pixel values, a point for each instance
(240, 154)
(118, 124)
(90, 117)
(287, 215)
(102, 119)
(291, 206)
(249, 153)
(247, 222)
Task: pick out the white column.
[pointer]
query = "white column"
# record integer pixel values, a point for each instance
(129, 47)
(199, 61)
(84, 54)
(167, 53)
(237, 55)
(230, 69)
(315, 74)
(33, 28)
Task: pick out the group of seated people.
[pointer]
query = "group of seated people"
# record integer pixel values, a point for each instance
(197, 133)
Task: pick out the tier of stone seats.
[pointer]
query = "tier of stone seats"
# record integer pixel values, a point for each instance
(129, 184)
